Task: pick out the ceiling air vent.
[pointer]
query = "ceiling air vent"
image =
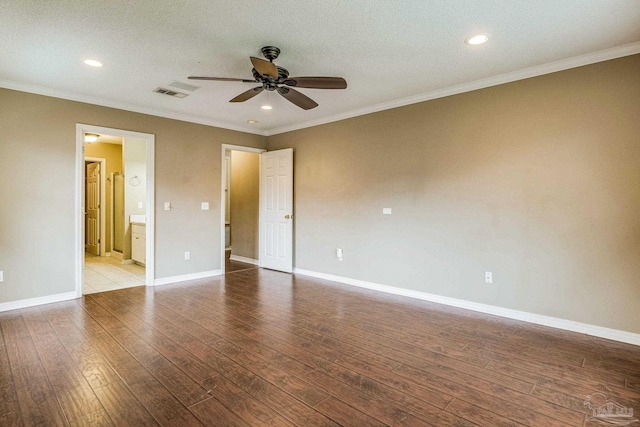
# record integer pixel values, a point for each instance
(170, 92)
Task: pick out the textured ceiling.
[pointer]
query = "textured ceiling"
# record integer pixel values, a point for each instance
(390, 52)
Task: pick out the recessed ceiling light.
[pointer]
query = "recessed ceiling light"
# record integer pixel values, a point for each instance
(252, 122)
(267, 107)
(93, 63)
(477, 39)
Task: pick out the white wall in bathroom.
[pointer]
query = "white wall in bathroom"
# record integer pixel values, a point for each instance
(134, 153)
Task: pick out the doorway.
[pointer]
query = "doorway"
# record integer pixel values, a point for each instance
(113, 261)
(125, 252)
(241, 182)
(273, 236)
(95, 215)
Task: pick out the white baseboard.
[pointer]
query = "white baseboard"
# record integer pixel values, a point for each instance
(31, 302)
(116, 255)
(107, 254)
(127, 262)
(244, 259)
(185, 277)
(554, 322)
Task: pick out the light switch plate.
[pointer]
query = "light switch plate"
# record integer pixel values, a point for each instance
(167, 206)
(139, 205)
(1, 276)
(204, 206)
(386, 211)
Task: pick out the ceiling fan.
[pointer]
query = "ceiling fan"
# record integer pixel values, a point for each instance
(274, 78)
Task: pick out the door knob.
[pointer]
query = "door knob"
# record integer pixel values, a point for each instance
(288, 216)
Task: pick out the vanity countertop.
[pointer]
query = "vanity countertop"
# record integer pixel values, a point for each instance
(138, 219)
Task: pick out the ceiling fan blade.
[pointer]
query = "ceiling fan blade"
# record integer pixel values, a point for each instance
(221, 79)
(297, 98)
(244, 96)
(316, 82)
(264, 67)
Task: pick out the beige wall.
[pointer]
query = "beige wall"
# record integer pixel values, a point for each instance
(537, 181)
(37, 185)
(113, 155)
(245, 184)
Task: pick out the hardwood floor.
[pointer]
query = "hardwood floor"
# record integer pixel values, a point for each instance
(232, 266)
(262, 348)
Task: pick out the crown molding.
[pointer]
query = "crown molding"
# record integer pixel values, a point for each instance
(71, 96)
(538, 70)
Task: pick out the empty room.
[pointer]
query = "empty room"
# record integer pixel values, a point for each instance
(364, 213)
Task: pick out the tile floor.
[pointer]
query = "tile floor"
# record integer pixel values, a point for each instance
(107, 274)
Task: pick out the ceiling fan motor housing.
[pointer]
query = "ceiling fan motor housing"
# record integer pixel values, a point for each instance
(283, 73)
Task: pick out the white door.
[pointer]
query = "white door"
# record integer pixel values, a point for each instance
(92, 225)
(276, 210)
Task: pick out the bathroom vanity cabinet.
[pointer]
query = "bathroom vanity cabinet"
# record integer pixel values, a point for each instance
(138, 243)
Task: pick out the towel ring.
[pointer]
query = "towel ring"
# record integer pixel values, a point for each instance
(135, 181)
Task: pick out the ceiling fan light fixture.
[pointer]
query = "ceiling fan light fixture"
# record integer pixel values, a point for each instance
(476, 39)
(93, 63)
(267, 107)
(252, 122)
(91, 137)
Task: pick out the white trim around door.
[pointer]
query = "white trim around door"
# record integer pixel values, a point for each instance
(81, 129)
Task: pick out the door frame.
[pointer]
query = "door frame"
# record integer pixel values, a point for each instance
(103, 199)
(81, 129)
(223, 201)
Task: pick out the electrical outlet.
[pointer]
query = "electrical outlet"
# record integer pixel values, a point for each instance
(386, 211)
(167, 206)
(187, 256)
(204, 206)
(1, 276)
(488, 277)
(140, 205)
(339, 254)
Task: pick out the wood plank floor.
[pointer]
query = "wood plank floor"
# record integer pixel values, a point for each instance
(232, 266)
(262, 348)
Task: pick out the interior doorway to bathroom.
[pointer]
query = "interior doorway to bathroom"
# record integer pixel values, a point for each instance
(241, 209)
(115, 218)
(115, 200)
